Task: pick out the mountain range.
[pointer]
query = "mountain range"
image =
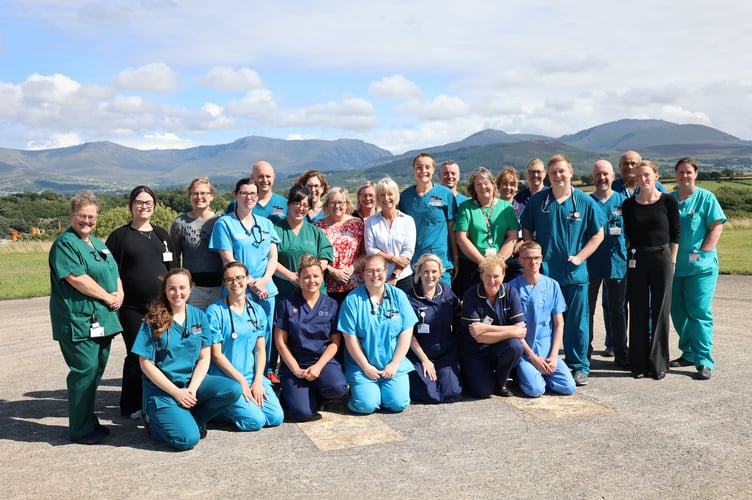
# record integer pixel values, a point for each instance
(106, 166)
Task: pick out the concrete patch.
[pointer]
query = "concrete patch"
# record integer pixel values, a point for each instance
(336, 431)
(556, 407)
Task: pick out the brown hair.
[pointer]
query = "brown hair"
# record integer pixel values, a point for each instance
(159, 312)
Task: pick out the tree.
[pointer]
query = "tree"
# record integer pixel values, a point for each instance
(113, 218)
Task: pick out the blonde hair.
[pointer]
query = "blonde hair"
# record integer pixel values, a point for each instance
(335, 191)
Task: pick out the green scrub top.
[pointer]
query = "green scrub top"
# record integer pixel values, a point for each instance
(71, 311)
(309, 240)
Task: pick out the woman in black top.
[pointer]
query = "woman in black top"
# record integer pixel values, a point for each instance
(144, 253)
(651, 226)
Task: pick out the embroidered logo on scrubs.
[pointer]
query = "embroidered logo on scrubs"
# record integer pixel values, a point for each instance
(436, 201)
(295, 310)
(323, 313)
(309, 243)
(277, 210)
(196, 329)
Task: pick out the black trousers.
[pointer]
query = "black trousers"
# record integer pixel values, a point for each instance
(649, 290)
(131, 394)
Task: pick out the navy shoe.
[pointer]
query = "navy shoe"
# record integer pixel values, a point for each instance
(703, 373)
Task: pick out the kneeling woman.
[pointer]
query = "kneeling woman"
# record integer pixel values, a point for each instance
(173, 345)
(377, 321)
(239, 328)
(491, 327)
(307, 340)
(436, 378)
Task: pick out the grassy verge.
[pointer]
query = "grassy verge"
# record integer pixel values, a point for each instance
(24, 271)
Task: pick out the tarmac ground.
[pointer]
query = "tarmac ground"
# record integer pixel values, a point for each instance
(615, 438)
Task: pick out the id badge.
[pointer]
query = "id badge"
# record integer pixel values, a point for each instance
(614, 231)
(424, 328)
(488, 320)
(694, 257)
(632, 263)
(490, 251)
(166, 255)
(96, 330)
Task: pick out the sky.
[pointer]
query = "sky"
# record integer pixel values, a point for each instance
(158, 74)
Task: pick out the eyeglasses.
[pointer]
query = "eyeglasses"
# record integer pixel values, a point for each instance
(246, 194)
(374, 272)
(144, 204)
(203, 194)
(313, 186)
(237, 279)
(532, 259)
(85, 218)
(337, 203)
(536, 172)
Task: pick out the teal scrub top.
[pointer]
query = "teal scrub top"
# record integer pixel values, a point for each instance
(71, 311)
(239, 349)
(562, 230)
(696, 214)
(176, 351)
(432, 212)
(250, 249)
(610, 259)
(378, 331)
(309, 240)
(475, 220)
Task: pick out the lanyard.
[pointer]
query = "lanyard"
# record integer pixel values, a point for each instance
(488, 216)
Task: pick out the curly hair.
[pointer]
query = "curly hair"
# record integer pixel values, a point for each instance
(159, 312)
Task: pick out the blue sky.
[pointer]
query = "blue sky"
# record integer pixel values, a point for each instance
(401, 75)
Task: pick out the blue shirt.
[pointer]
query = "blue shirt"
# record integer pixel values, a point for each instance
(619, 186)
(610, 259)
(438, 314)
(238, 334)
(274, 210)
(377, 331)
(432, 212)
(176, 351)
(562, 230)
(540, 303)
(309, 329)
(476, 308)
(250, 249)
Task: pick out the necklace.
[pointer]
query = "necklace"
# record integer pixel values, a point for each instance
(145, 234)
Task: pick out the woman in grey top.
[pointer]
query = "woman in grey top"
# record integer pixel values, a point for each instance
(190, 233)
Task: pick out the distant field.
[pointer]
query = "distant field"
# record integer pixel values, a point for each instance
(24, 272)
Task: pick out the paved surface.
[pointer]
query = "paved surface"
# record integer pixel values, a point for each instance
(615, 438)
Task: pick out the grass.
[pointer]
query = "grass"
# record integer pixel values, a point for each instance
(24, 272)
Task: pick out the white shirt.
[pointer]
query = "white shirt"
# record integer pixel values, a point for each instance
(398, 240)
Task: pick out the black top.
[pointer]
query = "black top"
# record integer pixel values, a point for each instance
(651, 225)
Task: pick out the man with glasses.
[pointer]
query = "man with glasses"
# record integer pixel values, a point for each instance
(628, 182)
(569, 227)
(543, 304)
(536, 173)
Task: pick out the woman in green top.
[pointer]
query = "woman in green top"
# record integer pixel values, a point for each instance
(86, 294)
(485, 225)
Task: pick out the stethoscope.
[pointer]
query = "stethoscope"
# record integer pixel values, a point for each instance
(161, 353)
(254, 232)
(574, 214)
(252, 318)
(375, 307)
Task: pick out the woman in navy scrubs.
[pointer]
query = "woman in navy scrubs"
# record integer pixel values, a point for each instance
(173, 345)
(490, 331)
(436, 378)
(305, 331)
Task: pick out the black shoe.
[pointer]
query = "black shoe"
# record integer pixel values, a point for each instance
(659, 375)
(703, 373)
(621, 360)
(680, 361)
(101, 428)
(504, 392)
(201, 431)
(638, 375)
(93, 437)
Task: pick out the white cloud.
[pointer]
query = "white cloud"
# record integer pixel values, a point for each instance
(677, 114)
(257, 104)
(153, 77)
(441, 107)
(55, 141)
(395, 87)
(353, 113)
(227, 79)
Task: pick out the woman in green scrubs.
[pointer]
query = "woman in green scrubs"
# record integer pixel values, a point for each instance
(85, 296)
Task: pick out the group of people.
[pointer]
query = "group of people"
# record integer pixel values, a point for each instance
(419, 295)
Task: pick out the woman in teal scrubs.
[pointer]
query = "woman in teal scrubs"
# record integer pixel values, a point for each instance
(173, 345)
(238, 327)
(701, 218)
(85, 296)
